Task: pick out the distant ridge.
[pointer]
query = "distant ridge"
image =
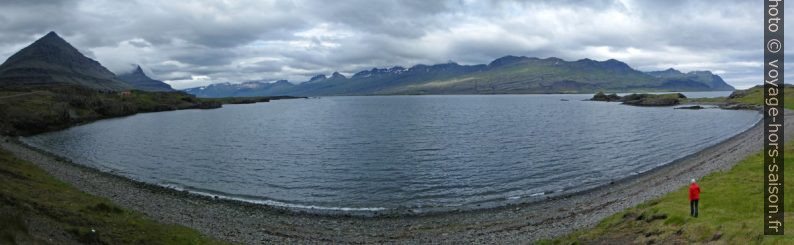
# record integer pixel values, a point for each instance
(52, 60)
(711, 81)
(505, 75)
(139, 80)
(246, 89)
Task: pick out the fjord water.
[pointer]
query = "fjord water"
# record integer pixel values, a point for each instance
(418, 153)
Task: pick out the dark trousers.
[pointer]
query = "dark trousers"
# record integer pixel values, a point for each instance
(693, 207)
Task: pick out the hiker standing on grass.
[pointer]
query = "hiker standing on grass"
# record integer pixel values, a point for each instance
(694, 197)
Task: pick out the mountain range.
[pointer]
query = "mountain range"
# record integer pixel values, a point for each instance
(52, 60)
(506, 75)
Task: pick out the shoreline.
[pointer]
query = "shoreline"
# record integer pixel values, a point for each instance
(245, 222)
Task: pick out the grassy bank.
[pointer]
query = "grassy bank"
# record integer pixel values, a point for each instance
(35, 207)
(731, 210)
(30, 109)
(753, 96)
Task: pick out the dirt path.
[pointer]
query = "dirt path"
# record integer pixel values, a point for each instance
(253, 224)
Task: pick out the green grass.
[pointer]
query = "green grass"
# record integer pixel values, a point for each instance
(755, 96)
(751, 96)
(731, 204)
(29, 194)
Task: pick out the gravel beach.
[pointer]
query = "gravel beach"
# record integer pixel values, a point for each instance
(252, 224)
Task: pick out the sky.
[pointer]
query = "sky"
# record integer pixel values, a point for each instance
(198, 42)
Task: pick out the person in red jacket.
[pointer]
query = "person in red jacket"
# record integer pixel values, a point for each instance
(694, 197)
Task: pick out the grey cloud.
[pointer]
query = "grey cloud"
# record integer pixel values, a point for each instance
(252, 40)
(139, 44)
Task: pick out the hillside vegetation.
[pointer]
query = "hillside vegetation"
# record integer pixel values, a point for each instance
(35, 206)
(28, 110)
(755, 96)
(33, 109)
(731, 208)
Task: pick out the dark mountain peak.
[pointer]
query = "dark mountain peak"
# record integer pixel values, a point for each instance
(48, 46)
(361, 74)
(670, 72)
(317, 78)
(616, 65)
(52, 60)
(282, 82)
(338, 75)
(51, 36)
(52, 43)
(615, 62)
(139, 80)
(507, 60)
(554, 59)
(138, 70)
(371, 72)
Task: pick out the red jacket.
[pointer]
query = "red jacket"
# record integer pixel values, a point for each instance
(694, 192)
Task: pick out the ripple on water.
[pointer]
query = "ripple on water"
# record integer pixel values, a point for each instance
(395, 152)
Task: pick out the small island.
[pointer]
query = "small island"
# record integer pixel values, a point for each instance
(642, 99)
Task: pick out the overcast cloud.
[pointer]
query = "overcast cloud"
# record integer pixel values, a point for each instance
(195, 43)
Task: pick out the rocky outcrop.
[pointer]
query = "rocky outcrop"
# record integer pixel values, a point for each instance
(694, 107)
(600, 96)
(642, 99)
(653, 99)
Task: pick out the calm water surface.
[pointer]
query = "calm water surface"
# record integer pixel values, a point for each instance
(419, 153)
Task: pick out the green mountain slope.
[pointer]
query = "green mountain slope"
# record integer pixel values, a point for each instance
(520, 75)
